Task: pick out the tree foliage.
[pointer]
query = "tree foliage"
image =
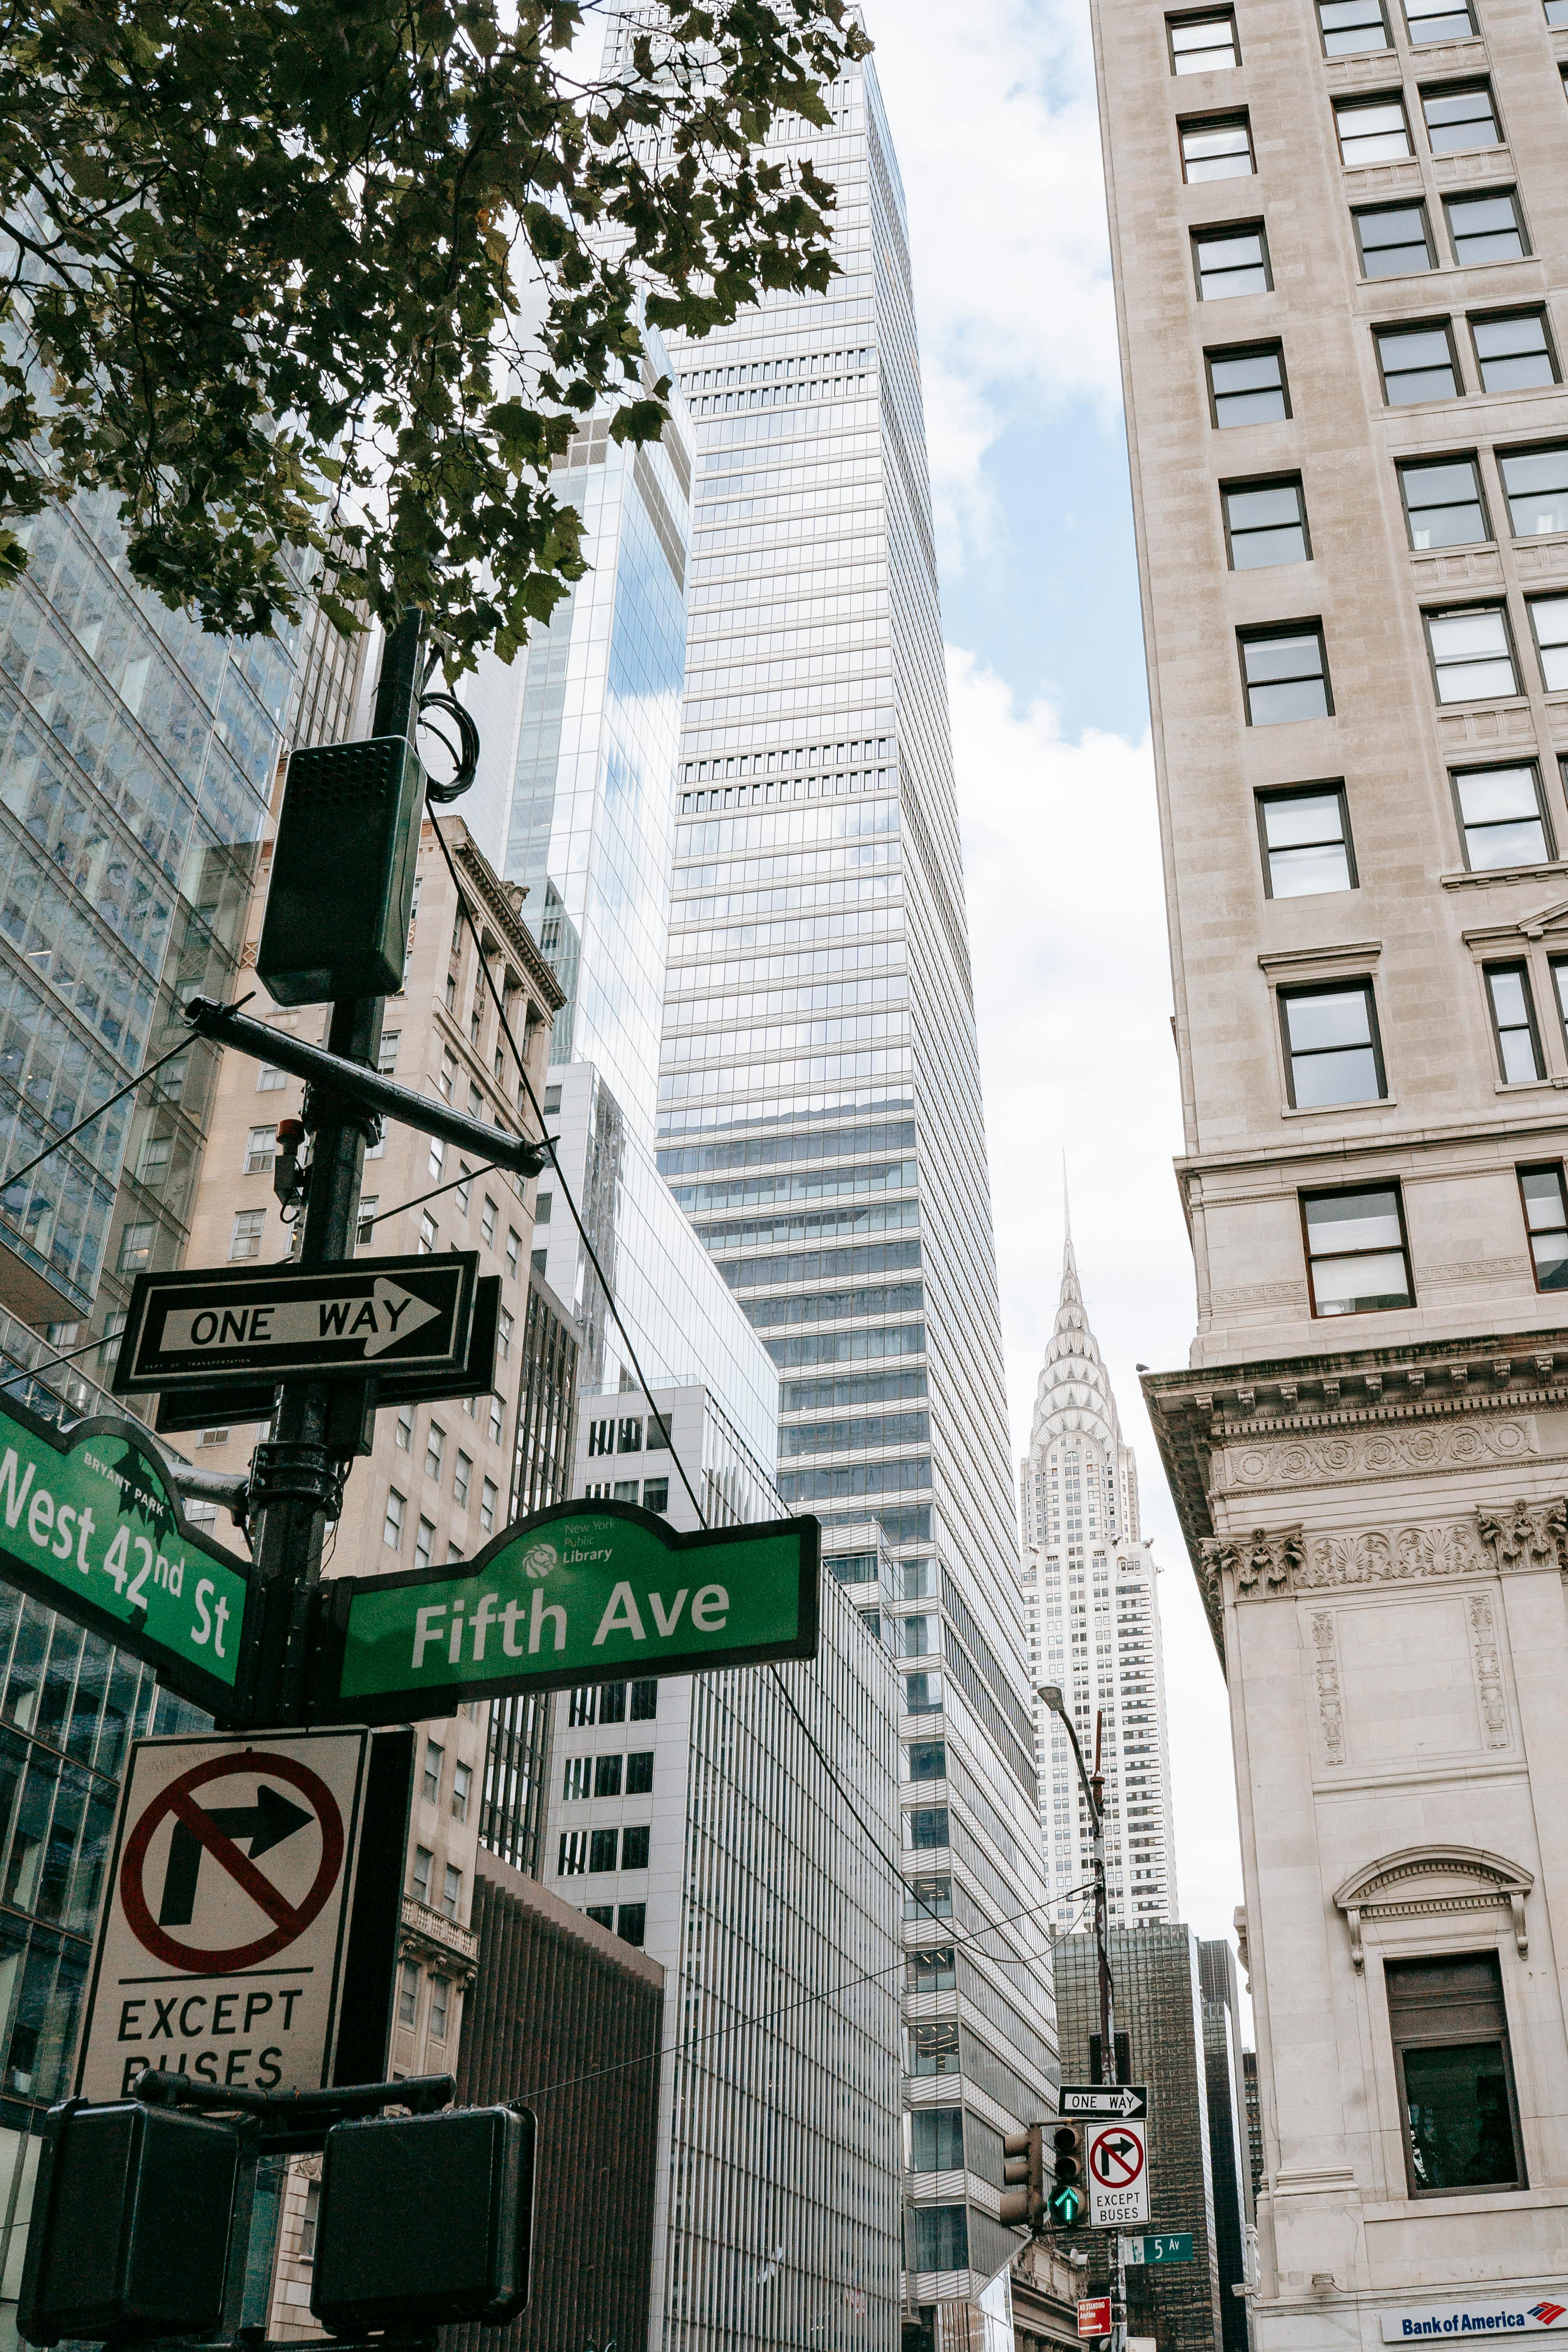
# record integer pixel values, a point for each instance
(342, 276)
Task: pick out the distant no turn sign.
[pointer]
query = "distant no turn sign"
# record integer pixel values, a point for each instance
(224, 1924)
(1118, 2172)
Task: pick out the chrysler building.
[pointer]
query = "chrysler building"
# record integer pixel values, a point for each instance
(1091, 1606)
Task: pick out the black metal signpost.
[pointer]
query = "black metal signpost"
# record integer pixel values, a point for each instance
(143, 2212)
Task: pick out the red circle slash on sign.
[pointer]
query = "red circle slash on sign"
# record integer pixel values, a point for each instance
(1116, 2157)
(291, 1920)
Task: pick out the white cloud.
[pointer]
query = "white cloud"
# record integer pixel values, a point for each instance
(1072, 984)
(993, 115)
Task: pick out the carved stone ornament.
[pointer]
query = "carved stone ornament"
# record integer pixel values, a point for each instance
(1335, 1457)
(1284, 1559)
(1422, 1881)
(1527, 1534)
(1326, 1673)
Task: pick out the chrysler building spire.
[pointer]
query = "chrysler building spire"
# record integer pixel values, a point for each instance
(1091, 1606)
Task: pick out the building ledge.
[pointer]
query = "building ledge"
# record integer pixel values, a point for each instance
(429, 1935)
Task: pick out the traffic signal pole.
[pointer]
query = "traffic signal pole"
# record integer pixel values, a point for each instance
(1094, 1790)
(298, 1474)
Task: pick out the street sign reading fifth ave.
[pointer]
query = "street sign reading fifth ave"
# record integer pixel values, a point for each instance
(588, 1591)
(225, 1923)
(90, 1526)
(374, 1315)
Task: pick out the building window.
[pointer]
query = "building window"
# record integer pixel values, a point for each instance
(1205, 44)
(1394, 240)
(1486, 228)
(1247, 385)
(365, 1226)
(136, 1242)
(1514, 1023)
(488, 1506)
(1372, 130)
(462, 1786)
(1443, 506)
(931, 1971)
(927, 1760)
(429, 1235)
(392, 1526)
(1472, 655)
(1331, 1049)
(1546, 1222)
(1503, 816)
(497, 1419)
(656, 1494)
(408, 1994)
(639, 1772)
(462, 1472)
(941, 2233)
(1285, 675)
(451, 1890)
(1556, 12)
(488, 1222)
(405, 1429)
(1265, 522)
(1449, 2029)
(435, 1757)
(634, 1848)
(578, 1779)
(435, 1449)
(1357, 1259)
(1305, 839)
(1549, 620)
(1514, 352)
(929, 1898)
(1231, 261)
(386, 1056)
(602, 1914)
(607, 1775)
(270, 1078)
(1536, 483)
(926, 1828)
(260, 1151)
(503, 1334)
(1217, 147)
(440, 2000)
(631, 1923)
(423, 1544)
(1460, 115)
(602, 1849)
(1350, 27)
(514, 1250)
(933, 2050)
(936, 2136)
(423, 1860)
(572, 1857)
(1417, 363)
(244, 1241)
(645, 1702)
(1437, 20)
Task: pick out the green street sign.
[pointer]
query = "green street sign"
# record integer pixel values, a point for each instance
(588, 1591)
(89, 1525)
(1171, 2246)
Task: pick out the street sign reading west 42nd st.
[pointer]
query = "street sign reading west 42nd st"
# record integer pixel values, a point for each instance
(371, 1317)
(585, 1593)
(89, 1525)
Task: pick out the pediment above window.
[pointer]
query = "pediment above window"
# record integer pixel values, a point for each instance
(1548, 923)
(1428, 1881)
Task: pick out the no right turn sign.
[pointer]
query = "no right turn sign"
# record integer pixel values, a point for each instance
(222, 1937)
(1118, 2172)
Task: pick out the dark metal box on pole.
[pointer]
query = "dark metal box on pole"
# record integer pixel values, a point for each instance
(343, 872)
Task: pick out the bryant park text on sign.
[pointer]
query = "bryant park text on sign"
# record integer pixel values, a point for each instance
(587, 1592)
(91, 1525)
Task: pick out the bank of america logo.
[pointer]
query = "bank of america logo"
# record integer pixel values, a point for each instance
(1547, 2313)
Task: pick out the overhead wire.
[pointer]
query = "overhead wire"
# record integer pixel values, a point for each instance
(32, 1371)
(550, 1145)
(108, 1104)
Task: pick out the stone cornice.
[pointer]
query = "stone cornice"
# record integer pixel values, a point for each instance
(1404, 1395)
(518, 939)
(443, 1948)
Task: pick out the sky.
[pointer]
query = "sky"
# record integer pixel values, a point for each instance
(993, 114)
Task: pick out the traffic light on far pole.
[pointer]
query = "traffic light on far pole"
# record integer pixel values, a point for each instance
(1068, 2198)
(1024, 2162)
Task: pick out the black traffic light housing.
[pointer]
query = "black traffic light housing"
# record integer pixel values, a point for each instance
(1067, 2200)
(424, 2220)
(131, 2224)
(1024, 2162)
(343, 863)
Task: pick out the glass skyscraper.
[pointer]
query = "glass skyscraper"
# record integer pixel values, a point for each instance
(820, 1121)
(137, 756)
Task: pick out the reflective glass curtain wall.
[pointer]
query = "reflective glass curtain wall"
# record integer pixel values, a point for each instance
(819, 1094)
(136, 760)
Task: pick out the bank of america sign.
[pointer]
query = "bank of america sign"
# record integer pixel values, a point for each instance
(1403, 2326)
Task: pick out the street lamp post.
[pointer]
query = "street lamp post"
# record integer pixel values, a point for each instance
(1094, 1790)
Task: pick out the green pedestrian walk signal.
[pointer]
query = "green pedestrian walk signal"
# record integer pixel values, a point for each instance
(1068, 2200)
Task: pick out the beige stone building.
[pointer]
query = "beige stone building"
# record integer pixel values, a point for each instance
(440, 1480)
(1341, 238)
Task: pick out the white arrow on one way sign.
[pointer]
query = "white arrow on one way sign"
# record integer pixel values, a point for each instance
(391, 1314)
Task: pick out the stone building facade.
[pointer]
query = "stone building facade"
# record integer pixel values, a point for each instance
(1340, 240)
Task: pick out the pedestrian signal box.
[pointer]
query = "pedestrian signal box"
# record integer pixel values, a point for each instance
(130, 2222)
(342, 892)
(424, 2220)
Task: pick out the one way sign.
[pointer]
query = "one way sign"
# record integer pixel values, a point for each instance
(374, 1315)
